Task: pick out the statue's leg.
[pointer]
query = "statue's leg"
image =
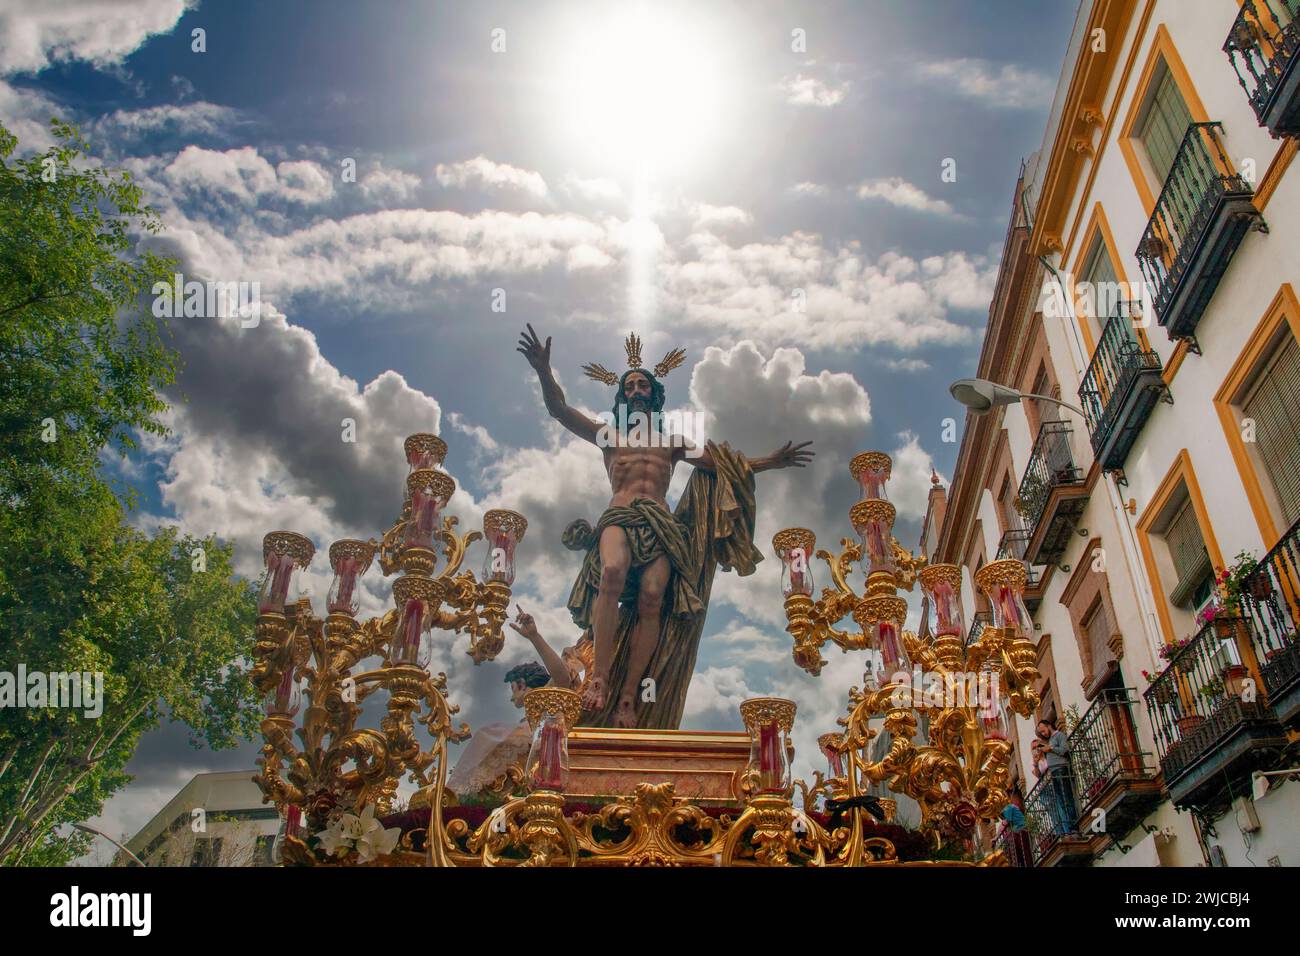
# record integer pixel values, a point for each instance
(615, 559)
(649, 605)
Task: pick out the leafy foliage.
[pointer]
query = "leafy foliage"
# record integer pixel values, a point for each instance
(81, 589)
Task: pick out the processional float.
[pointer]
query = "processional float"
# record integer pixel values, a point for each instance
(336, 784)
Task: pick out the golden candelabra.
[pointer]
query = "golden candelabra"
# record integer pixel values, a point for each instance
(336, 768)
(961, 775)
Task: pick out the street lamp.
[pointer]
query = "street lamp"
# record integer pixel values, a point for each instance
(86, 828)
(982, 396)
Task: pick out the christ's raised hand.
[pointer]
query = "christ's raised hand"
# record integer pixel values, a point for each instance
(531, 347)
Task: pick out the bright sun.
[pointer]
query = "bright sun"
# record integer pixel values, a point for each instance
(639, 93)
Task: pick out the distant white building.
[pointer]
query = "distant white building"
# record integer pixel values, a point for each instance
(217, 819)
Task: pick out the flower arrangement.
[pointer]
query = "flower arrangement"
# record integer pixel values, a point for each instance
(363, 833)
(1169, 651)
(1229, 585)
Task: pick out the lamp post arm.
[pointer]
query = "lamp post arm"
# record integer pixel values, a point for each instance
(89, 829)
(1056, 401)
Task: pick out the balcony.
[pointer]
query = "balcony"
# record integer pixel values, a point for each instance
(1201, 216)
(1015, 844)
(1052, 494)
(1271, 602)
(1114, 776)
(1119, 391)
(1262, 46)
(981, 620)
(1014, 544)
(1209, 731)
(1051, 817)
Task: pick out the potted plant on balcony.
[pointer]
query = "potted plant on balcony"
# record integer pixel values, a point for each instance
(1212, 691)
(1229, 588)
(1165, 692)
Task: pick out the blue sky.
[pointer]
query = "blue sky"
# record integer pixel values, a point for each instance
(680, 171)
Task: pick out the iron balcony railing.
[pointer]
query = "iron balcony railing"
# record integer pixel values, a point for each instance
(1271, 602)
(1118, 366)
(981, 620)
(1051, 812)
(1200, 180)
(1015, 844)
(1051, 464)
(1262, 46)
(1198, 697)
(1013, 545)
(1104, 747)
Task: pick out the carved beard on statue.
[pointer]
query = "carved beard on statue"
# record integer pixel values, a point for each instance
(624, 407)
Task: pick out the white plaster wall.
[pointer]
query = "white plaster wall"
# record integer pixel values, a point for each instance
(1261, 264)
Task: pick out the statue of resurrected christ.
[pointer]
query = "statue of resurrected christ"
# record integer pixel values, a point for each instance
(643, 589)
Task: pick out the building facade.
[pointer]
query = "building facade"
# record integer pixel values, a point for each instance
(1149, 279)
(217, 819)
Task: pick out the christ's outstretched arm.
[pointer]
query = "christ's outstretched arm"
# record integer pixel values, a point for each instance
(539, 357)
(788, 455)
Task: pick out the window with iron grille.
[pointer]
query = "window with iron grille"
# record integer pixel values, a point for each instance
(1191, 561)
(1164, 125)
(1272, 405)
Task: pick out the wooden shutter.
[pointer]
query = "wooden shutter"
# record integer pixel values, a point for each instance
(1099, 629)
(1164, 125)
(1274, 405)
(1187, 550)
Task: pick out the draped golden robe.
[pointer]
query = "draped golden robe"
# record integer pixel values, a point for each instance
(712, 526)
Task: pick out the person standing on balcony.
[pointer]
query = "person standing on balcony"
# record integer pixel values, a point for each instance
(1055, 749)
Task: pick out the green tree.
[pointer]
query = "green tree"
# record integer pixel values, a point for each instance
(81, 589)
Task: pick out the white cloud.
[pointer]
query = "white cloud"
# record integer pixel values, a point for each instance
(246, 176)
(189, 119)
(597, 190)
(711, 218)
(716, 691)
(27, 114)
(482, 173)
(899, 192)
(999, 85)
(809, 189)
(797, 291)
(908, 365)
(37, 33)
(909, 483)
(386, 184)
(301, 180)
(803, 90)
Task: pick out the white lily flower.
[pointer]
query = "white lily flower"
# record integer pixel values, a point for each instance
(352, 825)
(374, 839)
(334, 840)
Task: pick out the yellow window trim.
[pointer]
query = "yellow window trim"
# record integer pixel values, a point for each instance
(1180, 473)
(1162, 50)
(1284, 309)
(1272, 177)
(1097, 223)
(1111, 114)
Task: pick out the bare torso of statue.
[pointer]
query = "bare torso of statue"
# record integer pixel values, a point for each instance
(639, 472)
